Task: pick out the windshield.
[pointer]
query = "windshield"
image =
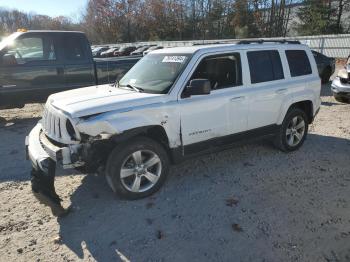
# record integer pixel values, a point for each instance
(155, 73)
(8, 40)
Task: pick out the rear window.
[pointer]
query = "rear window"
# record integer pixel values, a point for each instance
(74, 48)
(265, 66)
(298, 62)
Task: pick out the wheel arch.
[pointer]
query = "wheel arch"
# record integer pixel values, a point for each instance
(305, 105)
(155, 132)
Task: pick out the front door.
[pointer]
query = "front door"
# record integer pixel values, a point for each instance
(29, 70)
(205, 119)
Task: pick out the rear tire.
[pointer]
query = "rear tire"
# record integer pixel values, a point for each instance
(137, 168)
(293, 130)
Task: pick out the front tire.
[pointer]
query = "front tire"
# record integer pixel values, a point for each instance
(293, 130)
(137, 168)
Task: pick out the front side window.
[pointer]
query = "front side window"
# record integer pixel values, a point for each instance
(264, 66)
(155, 73)
(298, 62)
(221, 70)
(28, 49)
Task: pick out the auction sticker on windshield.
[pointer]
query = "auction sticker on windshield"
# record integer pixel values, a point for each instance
(174, 59)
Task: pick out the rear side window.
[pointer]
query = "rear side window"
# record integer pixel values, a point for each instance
(298, 62)
(74, 49)
(264, 66)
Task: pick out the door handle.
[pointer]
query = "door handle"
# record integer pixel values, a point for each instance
(237, 98)
(281, 91)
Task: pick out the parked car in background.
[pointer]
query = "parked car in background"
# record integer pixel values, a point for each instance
(152, 48)
(140, 50)
(325, 66)
(98, 50)
(341, 84)
(175, 104)
(124, 51)
(35, 64)
(109, 52)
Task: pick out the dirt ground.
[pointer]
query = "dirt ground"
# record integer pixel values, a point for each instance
(251, 203)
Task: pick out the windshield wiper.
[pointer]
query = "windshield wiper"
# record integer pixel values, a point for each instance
(137, 89)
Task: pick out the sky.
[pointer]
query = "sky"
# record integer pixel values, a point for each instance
(71, 8)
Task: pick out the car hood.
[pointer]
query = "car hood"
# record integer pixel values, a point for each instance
(99, 99)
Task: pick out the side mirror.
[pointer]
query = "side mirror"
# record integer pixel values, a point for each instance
(198, 87)
(9, 60)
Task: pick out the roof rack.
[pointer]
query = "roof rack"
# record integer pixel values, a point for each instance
(210, 43)
(261, 41)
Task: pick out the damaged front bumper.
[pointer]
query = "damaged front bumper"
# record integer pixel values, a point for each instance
(44, 155)
(40, 150)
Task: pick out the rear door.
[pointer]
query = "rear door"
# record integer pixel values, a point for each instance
(32, 70)
(267, 89)
(79, 65)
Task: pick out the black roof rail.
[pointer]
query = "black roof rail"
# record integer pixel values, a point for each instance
(261, 41)
(211, 43)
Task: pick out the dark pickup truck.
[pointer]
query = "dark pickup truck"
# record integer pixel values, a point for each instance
(35, 64)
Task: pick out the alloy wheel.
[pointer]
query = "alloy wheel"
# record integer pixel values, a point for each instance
(140, 171)
(295, 131)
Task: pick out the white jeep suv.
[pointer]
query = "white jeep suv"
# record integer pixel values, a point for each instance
(175, 103)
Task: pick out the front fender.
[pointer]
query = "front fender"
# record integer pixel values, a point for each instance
(118, 123)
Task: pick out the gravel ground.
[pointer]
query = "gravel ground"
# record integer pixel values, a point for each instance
(251, 203)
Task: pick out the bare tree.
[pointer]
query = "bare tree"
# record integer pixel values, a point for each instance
(111, 21)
